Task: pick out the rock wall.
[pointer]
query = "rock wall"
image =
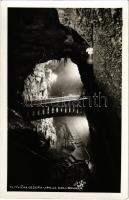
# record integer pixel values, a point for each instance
(79, 19)
(36, 87)
(35, 35)
(108, 52)
(102, 28)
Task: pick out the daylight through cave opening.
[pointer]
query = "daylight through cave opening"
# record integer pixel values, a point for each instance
(52, 79)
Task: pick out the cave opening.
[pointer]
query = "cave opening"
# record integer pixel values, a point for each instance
(33, 43)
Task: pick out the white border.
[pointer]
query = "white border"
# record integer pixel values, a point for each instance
(3, 100)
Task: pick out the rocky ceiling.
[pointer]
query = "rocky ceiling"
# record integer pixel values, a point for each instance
(35, 36)
(38, 35)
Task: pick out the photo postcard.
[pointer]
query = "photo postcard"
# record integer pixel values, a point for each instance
(64, 99)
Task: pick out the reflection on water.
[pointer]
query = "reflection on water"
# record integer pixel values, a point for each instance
(68, 135)
(72, 132)
(72, 136)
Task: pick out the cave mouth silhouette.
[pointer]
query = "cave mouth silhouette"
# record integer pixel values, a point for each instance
(35, 35)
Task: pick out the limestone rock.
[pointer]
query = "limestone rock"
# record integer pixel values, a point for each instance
(36, 87)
